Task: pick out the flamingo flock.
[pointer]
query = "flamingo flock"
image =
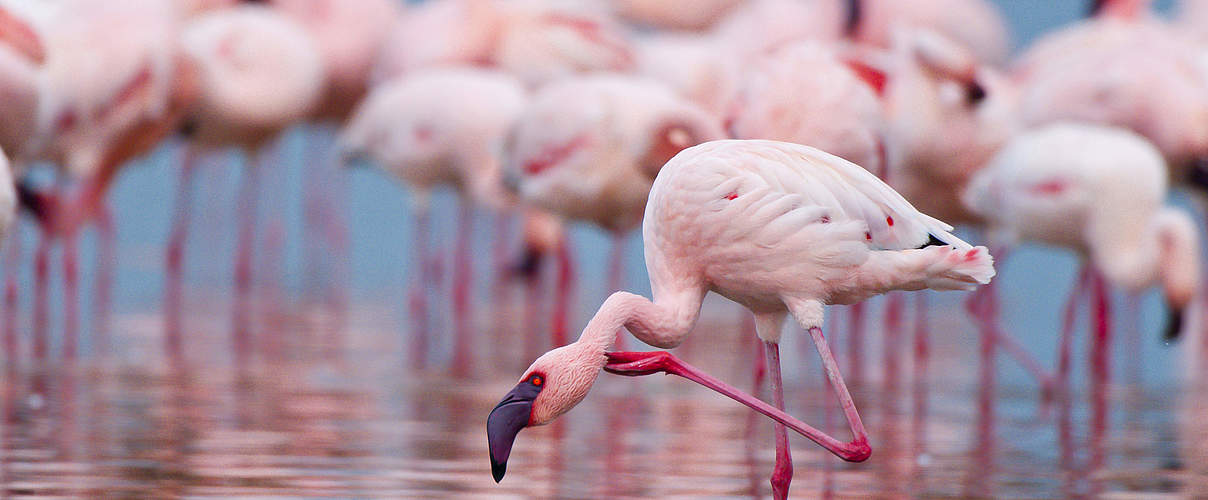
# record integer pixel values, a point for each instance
(787, 155)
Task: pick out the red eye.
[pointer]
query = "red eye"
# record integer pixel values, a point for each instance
(537, 380)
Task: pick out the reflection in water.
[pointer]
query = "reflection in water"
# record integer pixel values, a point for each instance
(307, 412)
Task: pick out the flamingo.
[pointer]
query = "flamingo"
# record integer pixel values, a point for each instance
(804, 93)
(976, 25)
(671, 15)
(702, 68)
(759, 26)
(777, 227)
(1098, 191)
(588, 148)
(440, 127)
(257, 72)
(1123, 67)
(98, 109)
(537, 40)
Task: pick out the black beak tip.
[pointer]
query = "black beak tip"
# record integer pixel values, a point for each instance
(1174, 326)
(498, 469)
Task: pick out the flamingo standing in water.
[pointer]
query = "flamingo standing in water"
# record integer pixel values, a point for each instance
(100, 108)
(1098, 191)
(777, 227)
(258, 72)
(440, 127)
(588, 148)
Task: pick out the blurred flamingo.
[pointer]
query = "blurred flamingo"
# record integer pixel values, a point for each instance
(702, 68)
(1099, 192)
(537, 40)
(588, 148)
(257, 72)
(976, 25)
(670, 15)
(100, 108)
(777, 227)
(440, 127)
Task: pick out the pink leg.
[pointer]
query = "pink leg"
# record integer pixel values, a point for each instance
(562, 299)
(1132, 339)
(1102, 333)
(106, 263)
(247, 229)
(761, 368)
(635, 364)
(985, 308)
(532, 315)
(71, 295)
(12, 269)
(895, 303)
(1067, 327)
(42, 294)
(419, 296)
(174, 257)
(616, 275)
(921, 361)
(855, 343)
(505, 229)
(462, 355)
(782, 472)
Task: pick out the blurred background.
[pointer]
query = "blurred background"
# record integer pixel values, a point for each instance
(349, 364)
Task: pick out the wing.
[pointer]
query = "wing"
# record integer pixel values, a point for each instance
(839, 191)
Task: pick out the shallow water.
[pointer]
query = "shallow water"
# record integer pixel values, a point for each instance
(324, 406)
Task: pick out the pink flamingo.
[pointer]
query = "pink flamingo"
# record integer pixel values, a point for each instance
(976, 25)
(257, 72)
(777, 227)
(759, 26)
(96, 117)
(1090, 72)
(588, 148)
(804, 93)
(671, 15)
(1098, 191)
(702, 68)
(432, 128)
(349, 36)
(537, 40)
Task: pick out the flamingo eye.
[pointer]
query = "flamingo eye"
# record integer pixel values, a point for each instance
(536, 380)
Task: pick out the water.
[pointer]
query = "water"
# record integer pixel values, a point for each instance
(325, 402)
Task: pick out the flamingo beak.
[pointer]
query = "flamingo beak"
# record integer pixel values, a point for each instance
(506, 420)
(1174, 324)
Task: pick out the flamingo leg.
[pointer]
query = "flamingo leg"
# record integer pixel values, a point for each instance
(418, 300)
(462, 355)
(247, 229)
(984, 306)
(42, 294)
(174, 256)
(894, 305)
(761, 370)
(71, 294)
(921, 361)
(1067, 326)
(562, 292)
(1102, 333)
(855, 342)
(12, 269)
(635, 364)
(106, 263)
(782, 472)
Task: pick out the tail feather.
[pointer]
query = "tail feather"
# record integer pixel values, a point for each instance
(959, 269)
(932, 267)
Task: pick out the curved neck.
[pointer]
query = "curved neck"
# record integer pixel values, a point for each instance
(664, 324)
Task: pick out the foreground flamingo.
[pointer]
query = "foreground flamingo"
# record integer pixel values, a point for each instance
(440, 127)
(1098, 191)
(777, 227)
(588, 148)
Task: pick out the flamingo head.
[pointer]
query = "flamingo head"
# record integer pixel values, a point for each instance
(1178, 261)
(555, 383)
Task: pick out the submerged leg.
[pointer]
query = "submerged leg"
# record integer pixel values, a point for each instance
(782, 472)
(1067, 327)
(418, 297)
(462, 356)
